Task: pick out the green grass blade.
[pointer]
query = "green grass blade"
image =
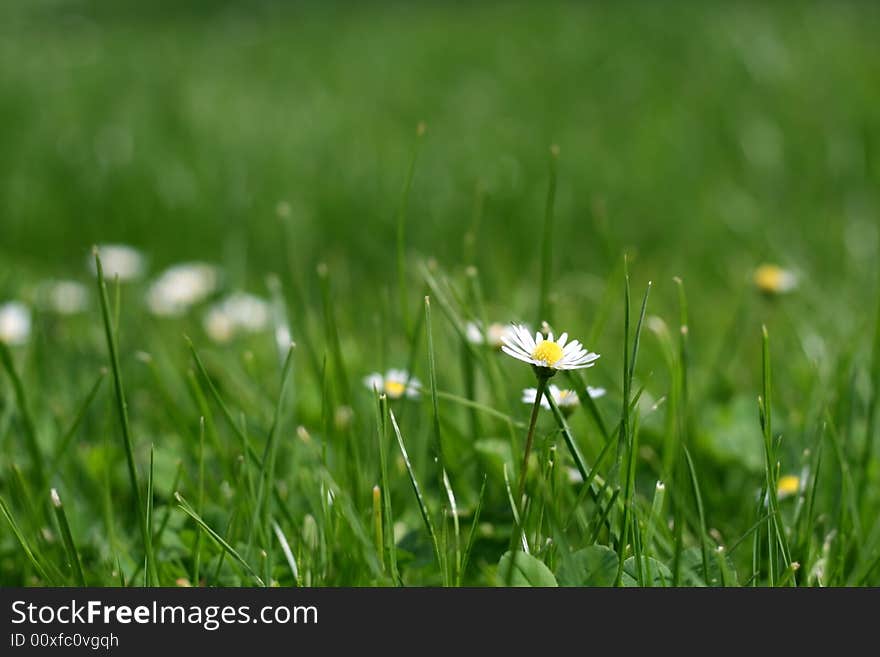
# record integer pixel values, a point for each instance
(149, 512)
(623, 425)
(378, 527)
(472, 535)
(122, 409)
(331, 334)
(487, 410)
(67, 537)
(267, 462)
(432, 380)
(30, 432)
(219, 540)
(288, 553)
(453, 509)
(701, 513)
(778, 534)
(655, 519)
(26, 548)
(423, 507)
(589, 475)
(871, 421)
(382, 438)
(200, 503)
(580, 386)
(68, 436)
(517, 516)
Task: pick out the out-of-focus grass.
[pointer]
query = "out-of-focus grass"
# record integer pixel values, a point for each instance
(700, 139)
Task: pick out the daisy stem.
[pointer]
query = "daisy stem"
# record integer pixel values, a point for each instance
(539, 395)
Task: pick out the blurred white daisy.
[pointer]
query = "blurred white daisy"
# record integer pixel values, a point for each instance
(565, 399)
(237, 313)
(283, 339)
(494, 335)
(15, 323)
(547, 353)
(574, 475)
(180, 287)
(120, 260)
(278, 313)
(395, 384)
(63, 297)
(595, 393)
(772, 279)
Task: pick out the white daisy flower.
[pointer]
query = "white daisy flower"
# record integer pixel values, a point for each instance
(395, 384)
(574, 475)
(595, 393)
(237, 313)
(180, 287)
(563, 398)
(218, 325)
(120, 260)
(283, 339)
(63, 297)
(772, 279)
(547, 353)
(474, 333)
(494, 335)
(15, 323)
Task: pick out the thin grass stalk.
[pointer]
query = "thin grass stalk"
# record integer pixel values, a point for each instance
(402, 208)
(122, 408)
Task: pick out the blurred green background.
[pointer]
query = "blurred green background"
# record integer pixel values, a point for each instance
(701, 139)
(713, 136)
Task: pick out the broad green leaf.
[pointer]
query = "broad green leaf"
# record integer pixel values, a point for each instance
(595, 565)
(692, 570)
(730, 434)
(526, 570)
(653, 571)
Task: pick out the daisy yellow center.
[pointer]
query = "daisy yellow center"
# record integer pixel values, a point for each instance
(549, 352)
(769, 278)
(394, 388)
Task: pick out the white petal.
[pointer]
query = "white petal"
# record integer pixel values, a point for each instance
(574, 345)
(517, 355)
(396, 376)
(374, 381)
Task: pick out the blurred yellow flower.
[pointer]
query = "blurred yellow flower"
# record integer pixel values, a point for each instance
(773, 279)
(394, 383)
(787, 486)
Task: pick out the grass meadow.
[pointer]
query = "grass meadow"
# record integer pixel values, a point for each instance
(688, 189)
